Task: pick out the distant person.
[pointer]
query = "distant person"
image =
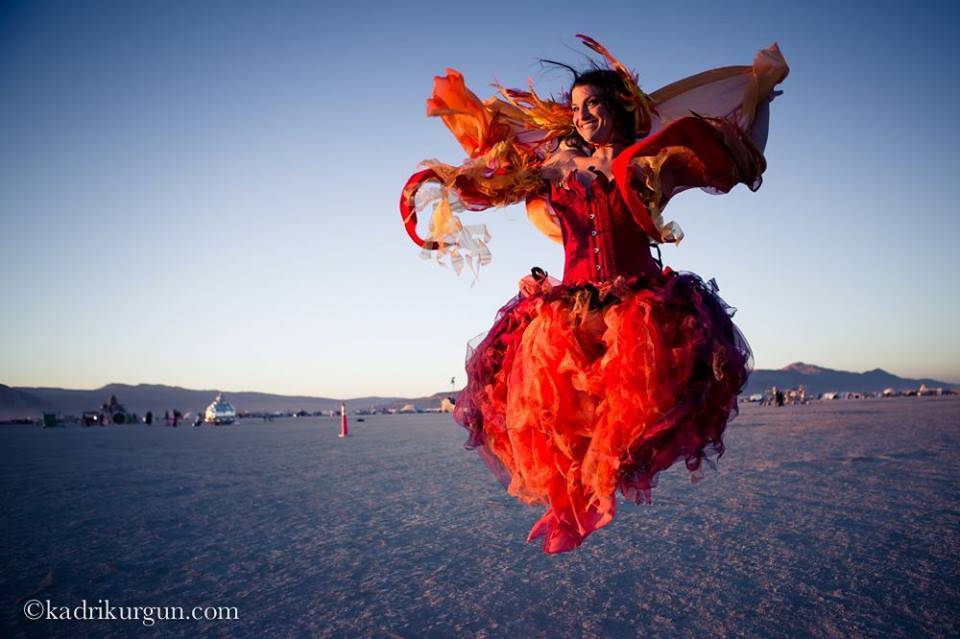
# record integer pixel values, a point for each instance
(176, 418)
(166, 417)
(199, 420)
(149, 418)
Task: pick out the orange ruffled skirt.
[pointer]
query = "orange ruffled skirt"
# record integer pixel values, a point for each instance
(579, 391)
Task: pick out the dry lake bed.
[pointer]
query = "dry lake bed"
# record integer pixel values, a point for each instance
(834, 519)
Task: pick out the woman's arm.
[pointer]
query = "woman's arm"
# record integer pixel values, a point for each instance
(709, 153)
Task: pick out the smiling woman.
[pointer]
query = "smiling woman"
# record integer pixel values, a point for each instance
(598, 113)
(600, 381)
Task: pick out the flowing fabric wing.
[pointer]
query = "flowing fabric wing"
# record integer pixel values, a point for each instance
(710, 153)
(505, 146)
(739, 94)
(719, 147)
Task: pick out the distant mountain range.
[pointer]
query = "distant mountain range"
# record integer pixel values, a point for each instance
(31, 402)
(817, 379)
(16, 402)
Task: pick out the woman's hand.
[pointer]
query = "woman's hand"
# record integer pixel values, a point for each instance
(559, 163)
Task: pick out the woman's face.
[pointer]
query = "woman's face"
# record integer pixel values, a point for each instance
(591, 118)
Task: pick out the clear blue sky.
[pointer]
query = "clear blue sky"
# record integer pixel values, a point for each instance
(205, 194)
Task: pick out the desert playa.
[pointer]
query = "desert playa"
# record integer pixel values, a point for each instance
(831, 519)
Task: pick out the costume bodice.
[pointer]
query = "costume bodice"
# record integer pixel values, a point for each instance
(601, 239)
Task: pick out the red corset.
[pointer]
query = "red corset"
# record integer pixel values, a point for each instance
(601, 240)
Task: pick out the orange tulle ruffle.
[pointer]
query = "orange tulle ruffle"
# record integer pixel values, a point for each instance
(577, 392)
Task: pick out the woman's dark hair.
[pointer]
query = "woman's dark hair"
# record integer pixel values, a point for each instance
(610, 86)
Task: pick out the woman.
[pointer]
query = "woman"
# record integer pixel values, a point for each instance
(600, 381)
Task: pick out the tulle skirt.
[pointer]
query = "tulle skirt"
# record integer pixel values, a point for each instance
(579, 391)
